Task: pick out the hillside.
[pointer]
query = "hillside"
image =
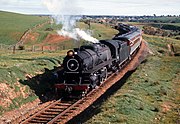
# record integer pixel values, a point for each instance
(14, 25)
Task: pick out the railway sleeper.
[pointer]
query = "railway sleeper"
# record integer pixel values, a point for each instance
(55, 110)
(42, 119)
(45, 116)
(36, 122)
(50, 113)
(59, 107)
(58, 104)
(65, 104)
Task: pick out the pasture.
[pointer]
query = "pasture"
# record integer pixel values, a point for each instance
(14, 25)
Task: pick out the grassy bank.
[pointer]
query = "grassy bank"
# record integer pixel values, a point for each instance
(150, 95)
(24, 76)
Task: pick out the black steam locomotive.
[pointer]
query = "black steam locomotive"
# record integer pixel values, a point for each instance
(87, 67)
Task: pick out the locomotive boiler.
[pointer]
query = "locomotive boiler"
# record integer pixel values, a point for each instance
(81, 66)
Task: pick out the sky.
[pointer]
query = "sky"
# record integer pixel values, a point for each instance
(98, 7)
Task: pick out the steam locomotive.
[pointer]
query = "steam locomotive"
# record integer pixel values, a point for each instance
(85, 68)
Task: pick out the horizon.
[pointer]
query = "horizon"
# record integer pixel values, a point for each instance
(98, 7)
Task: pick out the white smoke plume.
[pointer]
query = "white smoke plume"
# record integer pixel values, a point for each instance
(65, 12)
(86, 36)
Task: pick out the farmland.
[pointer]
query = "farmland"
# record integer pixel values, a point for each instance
(14, 25)
(149, 95)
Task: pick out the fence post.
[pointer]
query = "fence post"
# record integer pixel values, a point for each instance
(14, 49)
(33, 48)
(42, 48)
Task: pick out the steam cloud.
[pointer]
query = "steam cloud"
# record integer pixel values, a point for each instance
(64, 12)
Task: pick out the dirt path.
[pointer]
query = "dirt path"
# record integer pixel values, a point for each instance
(27, 33)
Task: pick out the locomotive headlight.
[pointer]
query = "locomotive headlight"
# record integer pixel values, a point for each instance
(70, 53)
(72, 65)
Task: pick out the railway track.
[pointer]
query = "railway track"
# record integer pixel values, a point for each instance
(61, 112)
(48, 114)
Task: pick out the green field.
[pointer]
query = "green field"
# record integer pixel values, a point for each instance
(165, 19)
(14, 25)
(99, 31)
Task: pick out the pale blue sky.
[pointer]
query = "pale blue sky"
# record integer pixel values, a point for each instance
(99, 7)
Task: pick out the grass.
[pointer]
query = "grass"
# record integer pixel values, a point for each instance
(100, 31)
(160, 43)
(43, 33)
(148, 92)
(14, 25)
(166, 19)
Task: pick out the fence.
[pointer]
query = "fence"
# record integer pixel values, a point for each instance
(5, 47)
(34, 48)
